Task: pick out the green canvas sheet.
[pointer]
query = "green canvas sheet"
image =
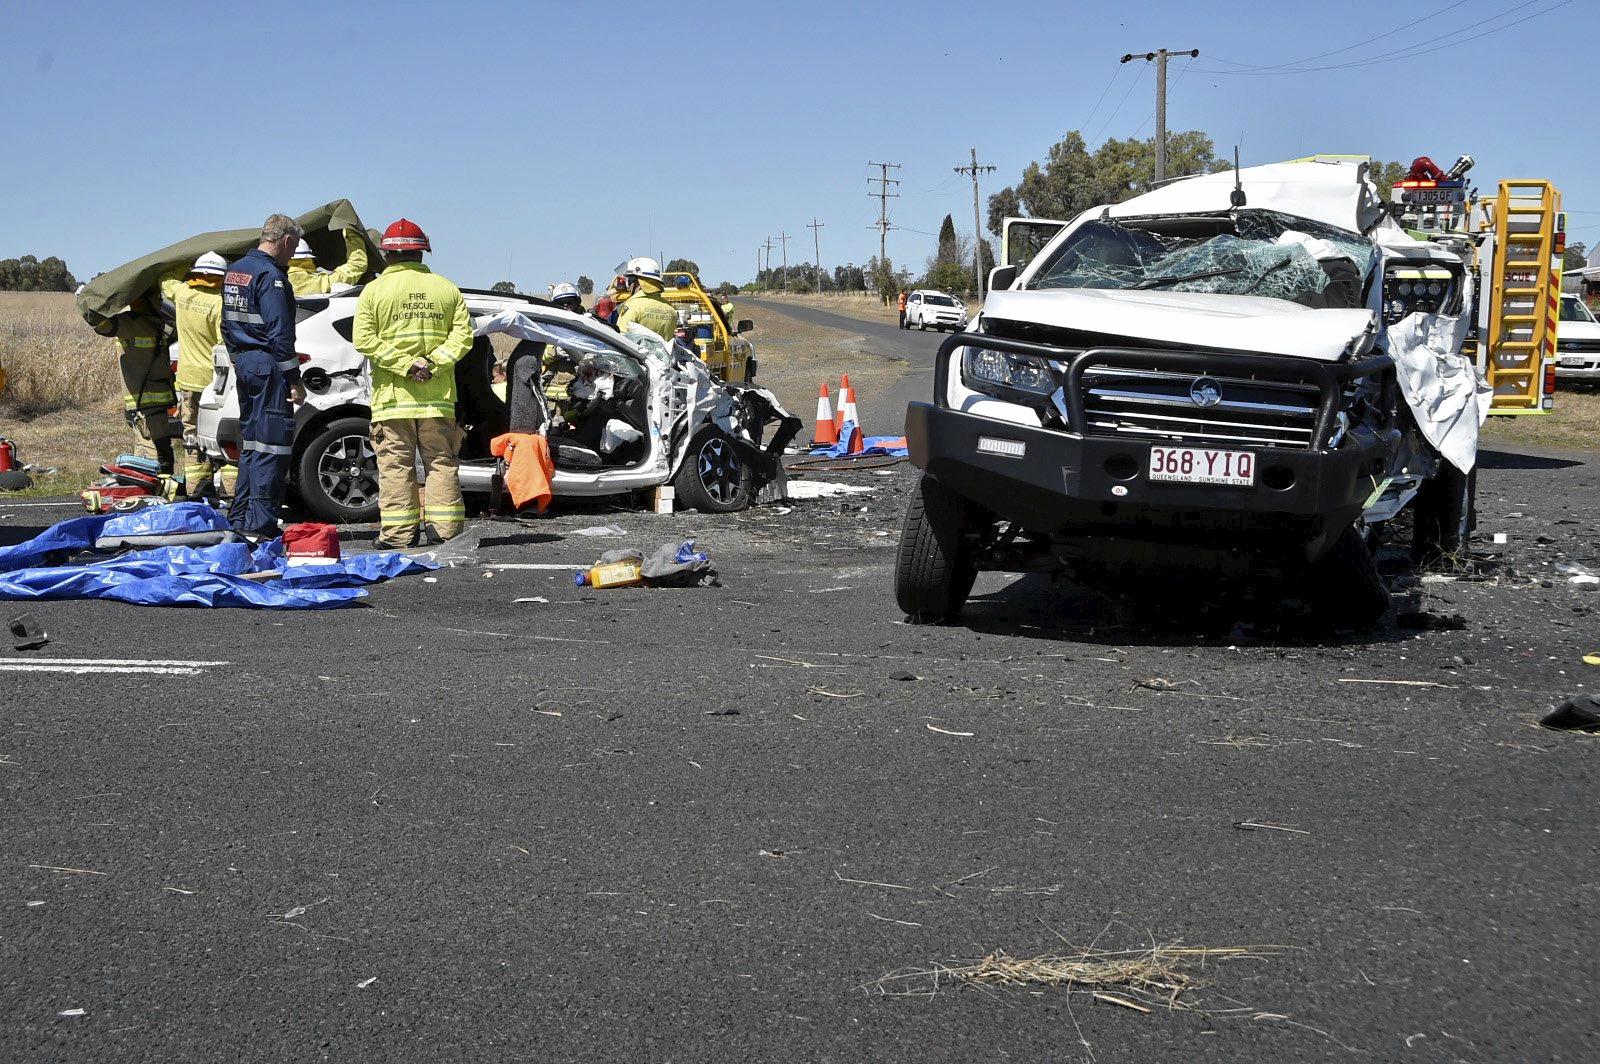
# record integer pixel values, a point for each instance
(113, 290)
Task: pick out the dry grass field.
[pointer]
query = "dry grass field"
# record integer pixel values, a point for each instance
(62, 401)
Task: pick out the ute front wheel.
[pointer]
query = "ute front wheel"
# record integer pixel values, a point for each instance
(937, 560)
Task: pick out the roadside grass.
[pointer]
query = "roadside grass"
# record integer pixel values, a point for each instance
(860, 305)
(1573, 425)
(62, 402)
(795, 356)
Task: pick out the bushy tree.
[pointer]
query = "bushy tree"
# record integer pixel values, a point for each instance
(1385, 175)
(1073, 179)
(505, 287)
(29, 274)
(585, 284)
(684, 266)
(1576, 257)
(849, 278)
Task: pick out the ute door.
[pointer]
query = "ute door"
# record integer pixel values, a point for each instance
(1023, 238)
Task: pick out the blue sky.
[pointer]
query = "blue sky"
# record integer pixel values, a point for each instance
(538, 141)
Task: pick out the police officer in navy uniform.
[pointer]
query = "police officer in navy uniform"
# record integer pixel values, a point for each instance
(258, 329)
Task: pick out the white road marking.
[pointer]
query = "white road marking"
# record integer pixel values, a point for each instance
(34, 505)
(98, 666)
(532, 565)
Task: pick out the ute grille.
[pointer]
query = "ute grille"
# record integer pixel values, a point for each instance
(1156, 405)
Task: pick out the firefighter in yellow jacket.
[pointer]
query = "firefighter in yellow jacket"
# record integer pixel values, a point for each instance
(644, 304)
(146, 373)
(306, 281)
(412, 325)
(195, 293)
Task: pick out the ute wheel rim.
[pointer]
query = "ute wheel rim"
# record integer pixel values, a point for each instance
(347, 471)
(720, 471)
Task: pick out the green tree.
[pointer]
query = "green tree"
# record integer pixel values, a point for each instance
(684, 266)
(1576, 257)
(949, 277)
(1073, 179)
(585, 284)
(949, 249)
(1385, 175)
(505, 287)
(29, 274)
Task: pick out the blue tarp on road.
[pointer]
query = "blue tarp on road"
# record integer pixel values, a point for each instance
(187, 576)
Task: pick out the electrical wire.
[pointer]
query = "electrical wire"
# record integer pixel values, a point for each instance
(1346, 48)
(1152, 117)
(1412, 51)
(1110, 117)
(1115, 74)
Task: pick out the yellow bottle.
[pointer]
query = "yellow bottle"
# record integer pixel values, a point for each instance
(616, 574)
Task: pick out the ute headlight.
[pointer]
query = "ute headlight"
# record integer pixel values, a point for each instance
(997, 372)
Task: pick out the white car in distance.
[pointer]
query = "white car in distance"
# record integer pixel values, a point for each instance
(927, 309)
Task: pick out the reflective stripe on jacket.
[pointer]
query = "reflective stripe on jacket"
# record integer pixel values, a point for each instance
(410, 313)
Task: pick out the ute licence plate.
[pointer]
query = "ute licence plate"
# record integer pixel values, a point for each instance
(1201, 465)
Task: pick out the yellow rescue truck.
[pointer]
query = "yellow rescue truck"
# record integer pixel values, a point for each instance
(721, 342)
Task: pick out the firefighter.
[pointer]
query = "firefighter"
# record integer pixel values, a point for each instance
(305, 278)
(644, 304)
(195, 293)
(258, 315)
(412, 325)
(146, 373)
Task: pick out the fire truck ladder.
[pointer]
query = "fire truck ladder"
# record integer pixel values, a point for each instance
(1525, 297)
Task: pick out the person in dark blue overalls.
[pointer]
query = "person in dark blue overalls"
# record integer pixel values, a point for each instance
(258, 328)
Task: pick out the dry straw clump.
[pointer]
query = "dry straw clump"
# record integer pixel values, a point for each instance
(1155, 976)
(52, 360)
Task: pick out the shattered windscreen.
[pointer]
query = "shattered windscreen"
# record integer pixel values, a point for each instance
(1266, 254)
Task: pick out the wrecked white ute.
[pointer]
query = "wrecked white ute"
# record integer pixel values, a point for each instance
(637, 414)
(1241, 372)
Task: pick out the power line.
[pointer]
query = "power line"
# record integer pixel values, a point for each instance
(1118, 109)
(784, 238)
(1412, 51)
(1346, 48)
(884, 196)
(977, 231)
(1115, 74)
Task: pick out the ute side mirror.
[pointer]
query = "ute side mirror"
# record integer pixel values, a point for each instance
(1002, 277)
(745, 325)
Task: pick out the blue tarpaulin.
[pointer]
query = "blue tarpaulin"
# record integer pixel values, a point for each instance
(875, 446)
(187, 576)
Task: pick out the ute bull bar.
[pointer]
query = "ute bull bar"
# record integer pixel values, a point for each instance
(1328, 378)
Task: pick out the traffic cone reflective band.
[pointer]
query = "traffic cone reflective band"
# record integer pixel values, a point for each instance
(845, 395)
(826, 434)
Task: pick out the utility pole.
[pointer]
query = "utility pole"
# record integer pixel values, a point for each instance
(1160, 57)
(816, 239)
(769, 254)
(784, 238)
(884, 196)
(758, 264)
(977, 230)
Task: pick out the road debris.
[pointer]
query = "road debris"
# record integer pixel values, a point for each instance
(946, 731)
(27, 633)
(1577, 713)
(596, 531)
(1154, 977)
(822, 489)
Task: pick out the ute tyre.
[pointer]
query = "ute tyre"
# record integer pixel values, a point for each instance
(336, 473)
(1442, 516)
(1346, 590)
(713, 479)
(935, 565)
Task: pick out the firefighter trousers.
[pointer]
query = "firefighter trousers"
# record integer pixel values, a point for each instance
(197, 468)
(398, 442)
(266, 428)
(147, 393)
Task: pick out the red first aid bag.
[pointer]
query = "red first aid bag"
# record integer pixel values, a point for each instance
(311, 543)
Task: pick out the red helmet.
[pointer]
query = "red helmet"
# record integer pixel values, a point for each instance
(405, 235)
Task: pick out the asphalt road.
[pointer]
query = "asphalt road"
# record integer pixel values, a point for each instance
(884, 412)
(700, 825)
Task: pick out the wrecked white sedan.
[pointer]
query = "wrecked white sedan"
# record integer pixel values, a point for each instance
(638, 413)
(1244, 372)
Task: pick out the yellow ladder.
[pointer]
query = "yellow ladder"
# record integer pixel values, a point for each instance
(1525, 296)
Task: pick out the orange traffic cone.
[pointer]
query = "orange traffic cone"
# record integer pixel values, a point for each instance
(844, 394)
(847, 409)
(826, 434)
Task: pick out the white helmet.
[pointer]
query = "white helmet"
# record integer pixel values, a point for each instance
(302, 251)
(642, 267)
(210, 265)
(565, 291)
